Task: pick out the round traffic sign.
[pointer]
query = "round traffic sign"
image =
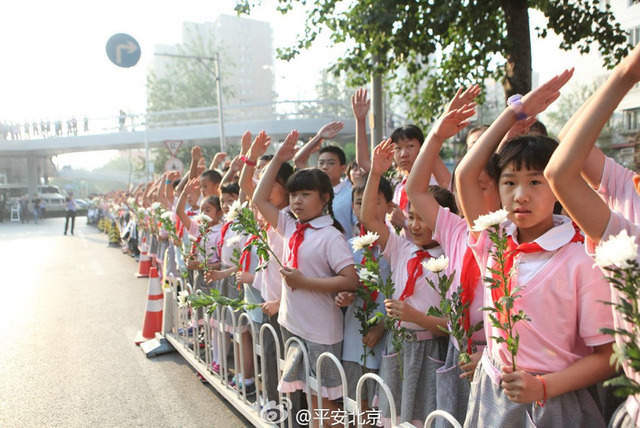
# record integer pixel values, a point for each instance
(123, 50)
(174, 164)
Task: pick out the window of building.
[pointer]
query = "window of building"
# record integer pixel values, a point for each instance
(631, 119)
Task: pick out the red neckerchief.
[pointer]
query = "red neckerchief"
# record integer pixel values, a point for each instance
(180, 226)
(245, 257)
(223, 232)
(414, 270)
(469, 276)
(294, 243)
(404, 200)
(510, 254)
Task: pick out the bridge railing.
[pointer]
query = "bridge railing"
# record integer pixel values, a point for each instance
(200, 116)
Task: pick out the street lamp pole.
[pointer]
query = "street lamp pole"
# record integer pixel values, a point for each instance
(216, 75)
(216, 63)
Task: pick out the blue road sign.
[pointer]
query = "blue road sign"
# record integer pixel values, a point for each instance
(123, 50)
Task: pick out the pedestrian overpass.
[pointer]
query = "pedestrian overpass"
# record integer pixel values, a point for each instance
(192, 126)
(196, 126)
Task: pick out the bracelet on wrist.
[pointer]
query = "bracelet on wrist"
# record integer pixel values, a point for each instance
(247, 161)
(542, 402)
(515, 102)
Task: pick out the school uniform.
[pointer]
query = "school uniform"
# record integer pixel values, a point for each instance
(268, 282)
(452, 232)
(342, 207)
(414, 391)
(353, 359)
(209, 242)
(308, 314)
(628, 414)
(617, 190)
(562, 294)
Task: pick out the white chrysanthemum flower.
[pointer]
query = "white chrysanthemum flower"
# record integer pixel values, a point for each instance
(364, 241)
(233, 240)
(156, 205)
(130, 201)
(492, 219)
(202, 218)
(436, 265)
(182, 298)
(193, 238)
(366, 275)
(618, 251)
(234, 210)
(166, 215)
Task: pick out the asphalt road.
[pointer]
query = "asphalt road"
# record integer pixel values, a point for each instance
(70, 308)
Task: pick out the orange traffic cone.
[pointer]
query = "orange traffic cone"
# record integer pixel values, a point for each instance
(144, 265)
(153, 316)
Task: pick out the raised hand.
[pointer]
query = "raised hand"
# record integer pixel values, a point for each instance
(259, 146)
(196, 154)
(454, 121)
(330, 130)
(521, 127)
(288, 149)
(462, 98)
(631, 64)
(219, 158)
(193, 185)
(382, 158)
(537, 101)
(236, 164)
(360, 104)
(245, 142)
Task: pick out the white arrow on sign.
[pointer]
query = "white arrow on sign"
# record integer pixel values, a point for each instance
(130, 47)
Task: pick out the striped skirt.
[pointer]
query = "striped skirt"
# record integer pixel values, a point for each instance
(490, 407)
(414, 394)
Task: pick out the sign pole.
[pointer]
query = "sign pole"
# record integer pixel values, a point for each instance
(220, 112)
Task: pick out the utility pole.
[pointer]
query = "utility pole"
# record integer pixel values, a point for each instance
(377, 129)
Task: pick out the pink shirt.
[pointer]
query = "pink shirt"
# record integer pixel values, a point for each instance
(618, 191)
(562, 295)
(226, 252)
(324, 252)
(398, 252)
(452, 233)
(269, 280)
(618, 223)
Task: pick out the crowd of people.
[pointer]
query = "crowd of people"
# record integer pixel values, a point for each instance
(562, 200)
(43, 129)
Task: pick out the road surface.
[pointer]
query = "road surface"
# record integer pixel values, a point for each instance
(70, 308)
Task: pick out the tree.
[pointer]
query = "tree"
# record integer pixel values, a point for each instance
(570, 101)
(186, 83)
(445, 44)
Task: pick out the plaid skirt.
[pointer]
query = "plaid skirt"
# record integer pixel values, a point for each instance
(490, 407)
(452, 392)
(414, 393)
(293, 374)
(354, 372)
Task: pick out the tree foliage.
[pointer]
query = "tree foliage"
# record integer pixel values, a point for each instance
(187, 83)
(433, 47)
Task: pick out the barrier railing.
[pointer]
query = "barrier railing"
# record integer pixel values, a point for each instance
(181, 329)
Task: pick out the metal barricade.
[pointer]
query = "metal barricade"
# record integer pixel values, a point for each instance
(261, 412)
